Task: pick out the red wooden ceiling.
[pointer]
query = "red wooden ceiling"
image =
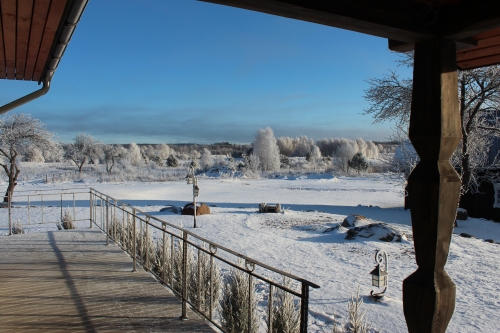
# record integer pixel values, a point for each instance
(27, 32)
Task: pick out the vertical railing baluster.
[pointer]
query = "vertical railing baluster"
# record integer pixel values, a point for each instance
(171, 271)
(304, 307)
(199, 280)
(211, 284)
(91, 204)
(146, 256)
(114, 220)
(61, 208)
(270, 309)
(29, 210)
(164, 261)
(123, 227)
(134, 234)
(74, 207)
(107, 221)
(41, 197)
(184, 275)
(9, 203)
(250, 292)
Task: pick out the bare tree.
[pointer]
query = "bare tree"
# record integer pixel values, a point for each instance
(20, 133)
(479, 96)
(84, 149)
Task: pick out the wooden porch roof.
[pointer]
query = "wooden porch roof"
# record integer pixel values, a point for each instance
(34, 35)
(473, 25)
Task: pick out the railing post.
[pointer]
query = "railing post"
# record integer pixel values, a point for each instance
(41, 197)
(184, 275)
(250, 293)
(61, 208)
(91, 203)
(146, 240)
(29, 210)
(107, 221)
(9, 203)
(304, 308)
(134, 234)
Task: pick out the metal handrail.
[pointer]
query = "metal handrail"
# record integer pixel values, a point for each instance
(108, 207)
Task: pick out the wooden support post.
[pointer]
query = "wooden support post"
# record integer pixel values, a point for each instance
(433, 186)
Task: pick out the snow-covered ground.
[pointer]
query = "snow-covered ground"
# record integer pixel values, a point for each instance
(295, 240)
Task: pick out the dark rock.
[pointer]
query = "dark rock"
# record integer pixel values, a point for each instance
(350, 220)
(172, 209)
(200, 209)
(461, 214)
(331, 229)
(388, 238)
(465, 235)
(351, 234)
(489, 241)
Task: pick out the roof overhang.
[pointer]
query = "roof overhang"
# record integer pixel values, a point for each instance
(472, 24)
(34, 35)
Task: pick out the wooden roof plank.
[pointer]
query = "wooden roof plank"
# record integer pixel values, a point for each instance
(9, 14)
(40, 11)
(478, 53)
(3, 73)
(24, 12)
(479, 62)
(53, 18)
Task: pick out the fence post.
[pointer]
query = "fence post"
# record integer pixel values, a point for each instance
(270, 309)
(9, 202)
(304, 308)
(184, 275)
(135, 243)
(91, 203)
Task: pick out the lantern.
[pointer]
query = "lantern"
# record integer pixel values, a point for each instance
(189, 179)
(196, 190)
(379, 277)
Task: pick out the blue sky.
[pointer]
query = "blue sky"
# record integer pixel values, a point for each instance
(176, 71)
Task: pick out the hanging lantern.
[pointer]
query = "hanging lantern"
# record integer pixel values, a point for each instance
(196, 191)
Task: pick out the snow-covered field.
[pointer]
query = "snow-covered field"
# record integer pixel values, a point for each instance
(295, 240)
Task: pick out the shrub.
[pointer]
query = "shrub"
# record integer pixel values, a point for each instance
(234, 303)
(17, 228)
(286, 313)
(172, 161)
(66, 222)
(358, 163)
(199, 282)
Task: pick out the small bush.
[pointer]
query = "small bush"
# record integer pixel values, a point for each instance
(66, 222)
(172, 161)
(286, 313)
(234, 303)
(17, 228)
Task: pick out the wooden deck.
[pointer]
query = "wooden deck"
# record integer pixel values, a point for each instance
(70, 281)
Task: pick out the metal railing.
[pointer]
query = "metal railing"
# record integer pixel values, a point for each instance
(200, 272)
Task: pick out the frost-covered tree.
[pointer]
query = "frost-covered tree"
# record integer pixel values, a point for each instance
(163, 151)
(112, 154)
(19, 132)
(134, 154)
(314, 155)
(358, 163)
(479, 105)
(344, 151)
(206, 159)
(266, 149)
(83, 149)
(172, 161)
(295, 146)
(33, 154)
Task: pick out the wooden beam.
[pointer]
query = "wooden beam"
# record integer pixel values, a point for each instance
(468, 18)
(25, 10)
(433, 186)
(3, 73)
(479, 62)
(393, 19)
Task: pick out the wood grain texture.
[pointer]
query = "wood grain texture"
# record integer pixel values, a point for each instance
(433, 186)
(9, 13)
(40, 11)
(53, 18)
(3, 73)
(24, 12)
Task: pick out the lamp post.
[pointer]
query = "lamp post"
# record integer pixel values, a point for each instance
(191, 179)
(380, 273)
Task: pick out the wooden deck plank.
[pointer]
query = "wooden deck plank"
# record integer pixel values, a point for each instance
(70, 281)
